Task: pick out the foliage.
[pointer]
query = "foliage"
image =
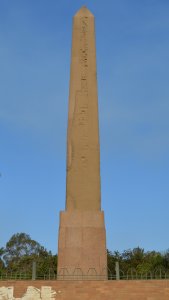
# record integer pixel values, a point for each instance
(20, 253)
(166, 259)
(138, 260)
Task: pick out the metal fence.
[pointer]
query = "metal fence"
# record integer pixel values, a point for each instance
(92, 274)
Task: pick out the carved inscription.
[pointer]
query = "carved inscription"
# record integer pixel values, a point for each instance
(83, 97)
(83, 173)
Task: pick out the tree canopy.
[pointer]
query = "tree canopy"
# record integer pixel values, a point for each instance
(20, 253)
(139, 260)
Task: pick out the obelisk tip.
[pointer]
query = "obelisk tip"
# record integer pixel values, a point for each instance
(84, 11)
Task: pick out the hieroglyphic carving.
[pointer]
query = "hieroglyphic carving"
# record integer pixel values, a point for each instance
(80, 117)
(83, 94)
(83, 157)
(84, 53)
(32, 293)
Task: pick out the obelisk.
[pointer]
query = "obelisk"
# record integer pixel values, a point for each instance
(82, 238)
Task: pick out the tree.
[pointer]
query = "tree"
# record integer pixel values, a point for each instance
(21, 251)
(166, 259)
(112, 258)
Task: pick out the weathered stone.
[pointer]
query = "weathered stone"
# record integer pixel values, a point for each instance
(82, 245)
(82, 238)
(83, 157)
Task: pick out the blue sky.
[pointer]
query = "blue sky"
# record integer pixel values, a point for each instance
(133, 84)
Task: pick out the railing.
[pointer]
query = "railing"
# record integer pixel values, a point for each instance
(92, 274)
(26, 276)
(132, 274)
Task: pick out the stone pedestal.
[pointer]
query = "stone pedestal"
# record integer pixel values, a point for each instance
(82, 245)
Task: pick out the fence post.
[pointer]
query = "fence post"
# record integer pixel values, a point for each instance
(117, 271)
(34, 270)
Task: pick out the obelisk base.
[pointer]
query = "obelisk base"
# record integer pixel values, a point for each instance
(82, 246)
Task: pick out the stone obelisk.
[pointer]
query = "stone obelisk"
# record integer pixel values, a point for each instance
(82, 238)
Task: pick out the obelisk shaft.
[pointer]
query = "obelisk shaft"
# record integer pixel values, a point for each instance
(82, 237)
(83, 150)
